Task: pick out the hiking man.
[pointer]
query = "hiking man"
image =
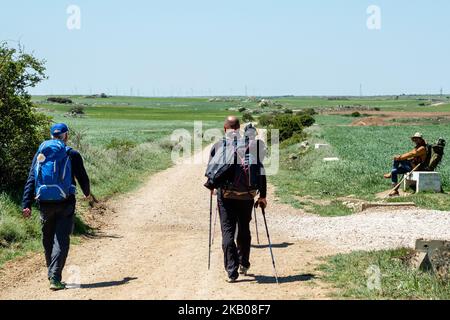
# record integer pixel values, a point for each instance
(236, 189)
(51, 182)
(407, 162)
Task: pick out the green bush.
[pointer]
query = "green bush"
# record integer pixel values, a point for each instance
(60, 100)
(265, 120)
(310, 111)
(78, 110)
(356, 114)
(247, 117)
(296, 138)
(21, 129)
(290, 125)
(287, 124)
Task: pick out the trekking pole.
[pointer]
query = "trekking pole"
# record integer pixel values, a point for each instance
(270, 245)
(403, 179)
(94, 198)
(210, 218)
(215, 223)
(256, 225)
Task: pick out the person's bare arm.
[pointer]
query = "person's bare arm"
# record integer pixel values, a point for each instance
(420, 152)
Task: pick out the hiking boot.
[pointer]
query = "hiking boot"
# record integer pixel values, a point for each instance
(56, 285)
(243, 270)
(232, 279)
(387, 175)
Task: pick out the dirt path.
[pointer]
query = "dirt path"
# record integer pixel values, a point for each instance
(155, 247)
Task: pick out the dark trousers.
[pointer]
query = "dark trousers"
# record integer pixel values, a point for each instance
(400, 167)
(57, 221)
(235, 213)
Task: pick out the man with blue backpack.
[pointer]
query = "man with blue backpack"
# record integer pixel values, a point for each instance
(236, 171)
(51, 183)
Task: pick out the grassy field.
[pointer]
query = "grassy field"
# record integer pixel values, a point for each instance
(365, 153)
(350, 273)
(134, 108)
(410, 103)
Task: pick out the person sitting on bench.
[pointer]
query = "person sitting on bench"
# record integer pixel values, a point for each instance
(407, 162)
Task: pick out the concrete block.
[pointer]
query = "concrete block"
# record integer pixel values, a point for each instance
(424, 181)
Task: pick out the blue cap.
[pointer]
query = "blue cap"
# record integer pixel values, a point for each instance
(58, 129)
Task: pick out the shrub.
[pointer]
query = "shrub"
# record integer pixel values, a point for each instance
(296, 138)
(77, 110)
(309, 111)
(167, 144)
(290, 125)
(242, 109)
(21, 129)
(59, 100)
(288, 111)
(247, 117)
(265, 120)
(356, 114)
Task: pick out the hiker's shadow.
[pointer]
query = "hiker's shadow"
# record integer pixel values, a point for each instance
(287, 279)
(276, 245)
(107, 284)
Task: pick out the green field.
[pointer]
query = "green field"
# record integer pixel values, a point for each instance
(133, 108)
(365, 153)
(391, 103)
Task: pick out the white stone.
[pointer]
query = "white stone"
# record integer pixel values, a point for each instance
(424, 181)
(321, 145)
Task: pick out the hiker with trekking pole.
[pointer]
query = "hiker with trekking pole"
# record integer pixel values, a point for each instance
(236, 173)
(51, 183)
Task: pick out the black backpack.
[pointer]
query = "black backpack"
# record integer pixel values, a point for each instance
(435, 153)
(235, 165)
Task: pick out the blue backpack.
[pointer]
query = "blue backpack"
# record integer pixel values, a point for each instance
(53, 175)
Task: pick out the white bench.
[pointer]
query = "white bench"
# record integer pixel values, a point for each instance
(423, 181)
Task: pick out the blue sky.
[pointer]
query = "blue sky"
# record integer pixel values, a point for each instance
(202, 47)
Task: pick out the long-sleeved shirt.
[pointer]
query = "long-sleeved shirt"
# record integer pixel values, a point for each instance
(78, 172)
(261, 152)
